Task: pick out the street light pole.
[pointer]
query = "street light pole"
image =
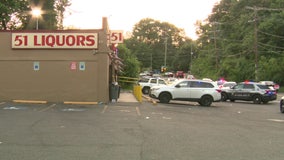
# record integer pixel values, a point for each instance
(36, 23)
(36, 12)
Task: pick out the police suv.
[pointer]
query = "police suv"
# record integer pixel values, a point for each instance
(249, 91)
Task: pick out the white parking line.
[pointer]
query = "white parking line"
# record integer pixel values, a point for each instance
(276, 120)
(105, 108)
(138, 111)
(47, 108)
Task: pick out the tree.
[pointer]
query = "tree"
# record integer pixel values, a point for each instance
(156, 43)
(13, 14)
(131, 64)
(17, 14)
(60, 7)
(47, 19)
(240, 39)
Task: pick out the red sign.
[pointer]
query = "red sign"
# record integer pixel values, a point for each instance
(54, 40)
(73, 66)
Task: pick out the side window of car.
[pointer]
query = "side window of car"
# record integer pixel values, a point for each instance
(239, 86)
(183, 84)
(161, 81)
(248, 86)
(153, 81)
(195, 84)
(143, 80)
(206, 85)
(263, 86)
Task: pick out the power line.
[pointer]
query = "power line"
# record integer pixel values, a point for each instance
(273, 35)
(256, 9)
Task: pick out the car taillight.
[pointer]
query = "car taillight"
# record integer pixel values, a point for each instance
(218, 90)
(270, 92)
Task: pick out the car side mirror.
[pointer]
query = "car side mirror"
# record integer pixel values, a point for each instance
(177, 86)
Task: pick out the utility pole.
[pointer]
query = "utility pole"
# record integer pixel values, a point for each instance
(216, 52)
(256, 9)
(255, 44)
(191, 53)
(215, 42)
(166, 50)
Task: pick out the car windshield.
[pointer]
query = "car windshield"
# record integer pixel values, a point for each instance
(143, 80)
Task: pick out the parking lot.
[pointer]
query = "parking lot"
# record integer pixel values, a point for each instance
(141, 131)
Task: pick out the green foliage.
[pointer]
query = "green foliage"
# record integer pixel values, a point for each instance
(17, 14)
(131, 64)
(242, 40)
(47, 20)
(13, 14)
(157, 44)
(60, 8)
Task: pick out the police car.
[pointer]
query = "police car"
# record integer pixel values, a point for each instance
(281, 105)
(249, 91)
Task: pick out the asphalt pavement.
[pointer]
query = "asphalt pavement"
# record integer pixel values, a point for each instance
(132, 130)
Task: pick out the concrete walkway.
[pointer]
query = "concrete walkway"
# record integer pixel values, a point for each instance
(126, 97)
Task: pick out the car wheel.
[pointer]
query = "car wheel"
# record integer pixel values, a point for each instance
(145, 90)
(165, 98)
(281, 106)
(265, 101)
(256, 99)
(206, 101)
(224, 96)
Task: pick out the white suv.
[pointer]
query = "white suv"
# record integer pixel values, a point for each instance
(203, 92)
(147, 83)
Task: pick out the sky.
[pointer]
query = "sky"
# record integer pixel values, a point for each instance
(124, 14)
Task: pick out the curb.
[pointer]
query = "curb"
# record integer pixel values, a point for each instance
(150, 99)
(45, 102)
(85, 103)
(30, 101)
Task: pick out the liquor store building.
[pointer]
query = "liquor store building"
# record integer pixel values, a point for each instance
(56, 66)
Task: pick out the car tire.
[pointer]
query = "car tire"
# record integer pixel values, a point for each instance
(146, 90)
(265, 101)
(256, 99)
(165, 98)
(206, 101)
(224, 96)
(281, 106)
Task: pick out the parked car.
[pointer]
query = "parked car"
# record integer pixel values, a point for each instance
(200, 91)
(271, 84)
(227, 85)
(250, 91)
(281, 105)
(169, 74)
(179, 74)
(147, 83)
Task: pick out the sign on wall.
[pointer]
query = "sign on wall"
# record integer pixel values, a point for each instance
(73, 66)
(116, 36)
(49, 40)
(36, 66)
(82, 66)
